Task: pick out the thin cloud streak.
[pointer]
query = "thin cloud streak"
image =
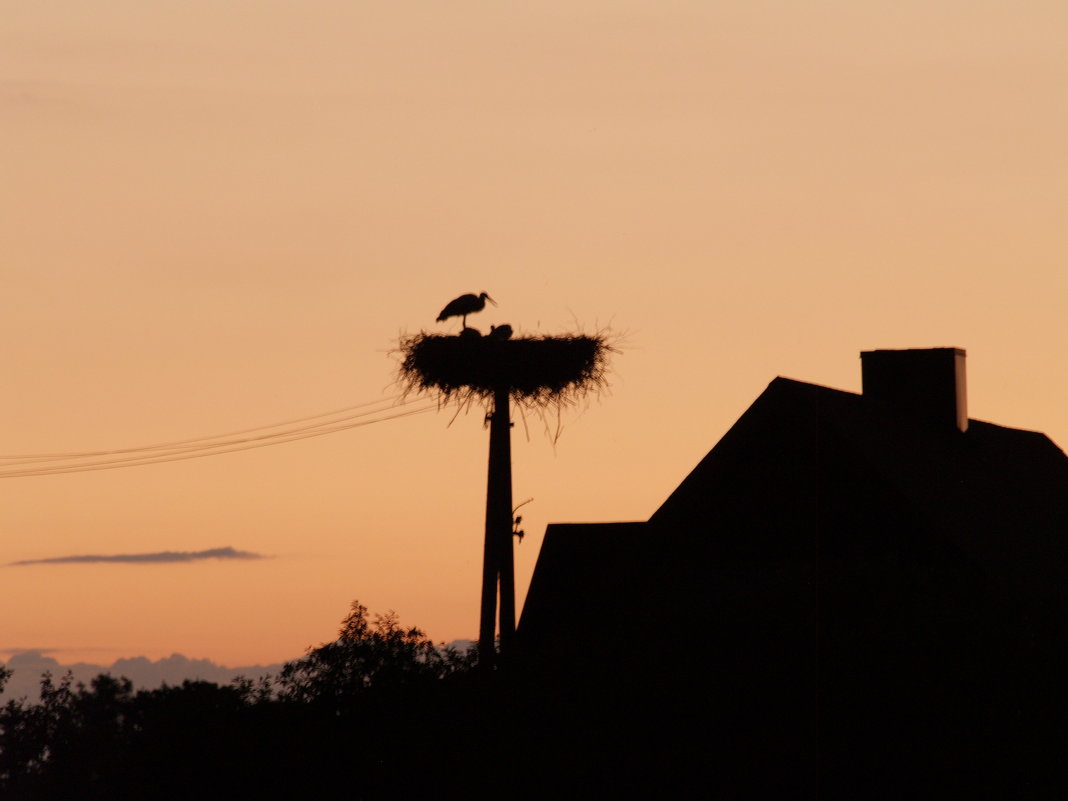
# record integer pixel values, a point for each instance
(162, 557)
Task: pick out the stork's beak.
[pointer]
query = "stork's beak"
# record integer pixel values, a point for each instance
(491, 300)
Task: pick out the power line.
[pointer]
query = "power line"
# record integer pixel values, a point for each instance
(207, 447)
(27, 458)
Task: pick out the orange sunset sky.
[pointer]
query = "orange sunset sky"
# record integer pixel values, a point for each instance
(222, 215)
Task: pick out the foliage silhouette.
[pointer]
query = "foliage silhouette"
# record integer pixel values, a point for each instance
(372, 700)
(381, 713)
(368, 655)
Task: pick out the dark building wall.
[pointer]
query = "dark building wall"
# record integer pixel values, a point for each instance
(845, 595)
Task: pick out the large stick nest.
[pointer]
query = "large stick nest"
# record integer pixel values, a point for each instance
(536, 371)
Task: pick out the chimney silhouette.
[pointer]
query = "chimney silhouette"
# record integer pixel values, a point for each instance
(923, 382)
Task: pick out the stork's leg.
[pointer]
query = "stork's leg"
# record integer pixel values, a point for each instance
(464, 326)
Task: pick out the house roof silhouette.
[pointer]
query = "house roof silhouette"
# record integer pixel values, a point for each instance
(836, 559)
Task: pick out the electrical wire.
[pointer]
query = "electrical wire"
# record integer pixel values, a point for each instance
(183, 450)
(27, 458)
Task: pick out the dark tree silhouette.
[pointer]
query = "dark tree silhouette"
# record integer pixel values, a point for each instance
(366, 655)
(373, 701)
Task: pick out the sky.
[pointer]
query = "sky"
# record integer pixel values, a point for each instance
(217, 216)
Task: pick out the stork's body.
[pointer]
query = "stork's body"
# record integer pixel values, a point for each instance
(465, 305)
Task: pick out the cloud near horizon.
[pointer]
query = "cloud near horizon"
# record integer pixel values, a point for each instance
(161, 557)
(30, 664)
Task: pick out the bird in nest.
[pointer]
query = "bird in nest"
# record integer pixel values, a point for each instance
(465, 305)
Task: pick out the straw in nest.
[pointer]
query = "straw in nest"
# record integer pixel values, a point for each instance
(536, 371)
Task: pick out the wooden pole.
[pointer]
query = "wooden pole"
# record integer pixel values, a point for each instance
(505, 558)
(497, 568)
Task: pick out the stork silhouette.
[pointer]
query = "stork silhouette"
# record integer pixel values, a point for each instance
(465, 305)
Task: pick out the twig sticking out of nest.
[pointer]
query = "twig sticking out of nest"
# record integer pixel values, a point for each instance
(537, 371)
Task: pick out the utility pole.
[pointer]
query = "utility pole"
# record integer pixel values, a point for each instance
(498, 569)
(535, 372)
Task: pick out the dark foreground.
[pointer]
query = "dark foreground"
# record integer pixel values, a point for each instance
(381, 714)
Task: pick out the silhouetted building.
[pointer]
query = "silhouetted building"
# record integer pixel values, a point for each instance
(849, 596)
